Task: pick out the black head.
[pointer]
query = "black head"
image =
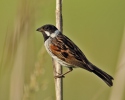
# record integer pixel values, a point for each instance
(47, 30)
(48, 27)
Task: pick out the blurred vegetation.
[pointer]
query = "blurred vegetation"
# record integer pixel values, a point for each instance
(25, 68)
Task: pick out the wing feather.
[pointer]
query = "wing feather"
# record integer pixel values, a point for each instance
(62, 47)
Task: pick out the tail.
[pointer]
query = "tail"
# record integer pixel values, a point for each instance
(103, 75)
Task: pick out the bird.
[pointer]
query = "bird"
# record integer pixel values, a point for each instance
(67, 53)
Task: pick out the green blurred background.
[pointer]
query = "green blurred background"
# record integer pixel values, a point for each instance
(26, 72)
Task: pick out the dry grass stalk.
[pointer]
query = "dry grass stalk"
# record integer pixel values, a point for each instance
(57, 67)
(34, 84)
(118, 89)
(18, 45)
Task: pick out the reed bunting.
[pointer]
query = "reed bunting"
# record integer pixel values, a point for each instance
(65, 52)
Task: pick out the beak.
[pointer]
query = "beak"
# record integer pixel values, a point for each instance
(40, 29)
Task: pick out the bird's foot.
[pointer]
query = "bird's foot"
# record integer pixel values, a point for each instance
(59, 76)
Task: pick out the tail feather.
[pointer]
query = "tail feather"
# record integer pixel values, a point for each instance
(103, 75)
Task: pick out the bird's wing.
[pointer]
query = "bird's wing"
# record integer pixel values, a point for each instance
(62, 47)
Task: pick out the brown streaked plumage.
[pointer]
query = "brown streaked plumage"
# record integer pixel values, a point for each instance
(66, 50)
(62, 49)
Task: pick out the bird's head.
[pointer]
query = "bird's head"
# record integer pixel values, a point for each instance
(48, 30)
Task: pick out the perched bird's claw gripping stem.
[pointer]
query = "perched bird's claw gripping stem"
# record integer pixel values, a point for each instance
(63, 75)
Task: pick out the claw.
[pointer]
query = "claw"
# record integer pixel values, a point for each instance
(59, 76)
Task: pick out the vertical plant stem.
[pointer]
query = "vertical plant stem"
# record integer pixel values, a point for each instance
(56, 65)
(59, 19)
(117, 92)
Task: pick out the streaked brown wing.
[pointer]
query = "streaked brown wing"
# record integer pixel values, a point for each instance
(66, 50)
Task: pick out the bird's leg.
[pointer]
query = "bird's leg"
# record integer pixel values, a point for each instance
(70, 69)
(63, 75)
